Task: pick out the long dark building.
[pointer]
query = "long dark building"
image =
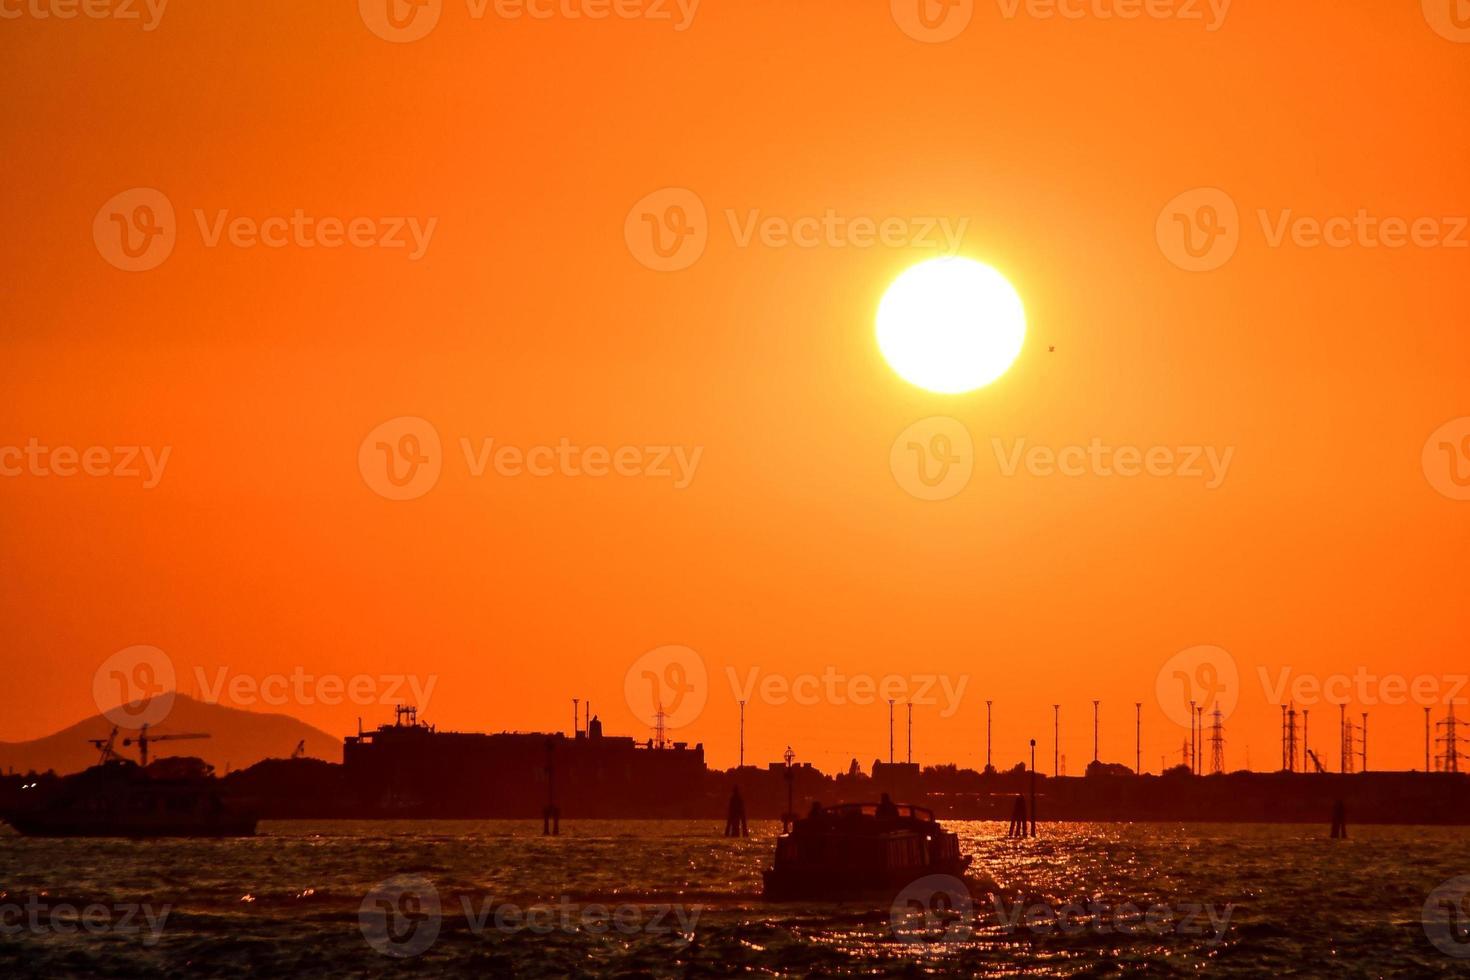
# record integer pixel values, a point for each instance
(411, 769)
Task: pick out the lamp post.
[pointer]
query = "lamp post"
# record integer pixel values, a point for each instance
(1094, 730)
(1056, 740)
(789, 756)
(742, 734)
(1191, 738)
(1138, 738)
(890, 731)
(987, 734)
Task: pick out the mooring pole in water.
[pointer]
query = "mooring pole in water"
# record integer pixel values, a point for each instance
(551, 816)
(1339, 821)
(1033, 787)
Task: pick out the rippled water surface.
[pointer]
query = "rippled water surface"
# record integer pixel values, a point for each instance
(654, 899)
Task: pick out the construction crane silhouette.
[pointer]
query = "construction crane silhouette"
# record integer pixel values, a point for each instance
(144, 740)
(1312, 754)
(300, 749)
(106, 746)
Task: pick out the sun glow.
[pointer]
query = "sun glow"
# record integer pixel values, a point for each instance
(951, 325)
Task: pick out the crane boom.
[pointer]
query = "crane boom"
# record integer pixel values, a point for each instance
(144, 739)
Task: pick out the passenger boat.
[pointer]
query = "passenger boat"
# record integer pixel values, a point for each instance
(858, 849)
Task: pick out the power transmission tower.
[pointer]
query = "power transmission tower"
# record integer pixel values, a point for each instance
(1449, 759)
(1217, 742)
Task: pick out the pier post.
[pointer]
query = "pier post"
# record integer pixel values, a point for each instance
(1033, 787)
(1339, 821)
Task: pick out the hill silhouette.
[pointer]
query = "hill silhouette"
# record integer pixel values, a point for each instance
(238, 739)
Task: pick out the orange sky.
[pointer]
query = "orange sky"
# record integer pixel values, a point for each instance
(263, 551)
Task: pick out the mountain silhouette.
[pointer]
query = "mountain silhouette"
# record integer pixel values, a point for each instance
(237, 739)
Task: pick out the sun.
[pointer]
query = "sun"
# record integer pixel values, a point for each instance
(951, 325)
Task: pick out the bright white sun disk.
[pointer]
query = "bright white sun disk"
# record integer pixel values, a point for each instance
(951, 325)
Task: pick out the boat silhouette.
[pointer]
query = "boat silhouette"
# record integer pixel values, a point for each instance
(858, 849)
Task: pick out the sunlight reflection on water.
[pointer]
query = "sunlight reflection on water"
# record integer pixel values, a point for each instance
(1233, 899)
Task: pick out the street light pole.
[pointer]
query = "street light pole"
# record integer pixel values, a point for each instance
(1094, 730)
(890, 731)
(1138, 738)
(742, 734)
(987, 734)
(1056, 740)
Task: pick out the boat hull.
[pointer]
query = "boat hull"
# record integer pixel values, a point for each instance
(799, 884)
